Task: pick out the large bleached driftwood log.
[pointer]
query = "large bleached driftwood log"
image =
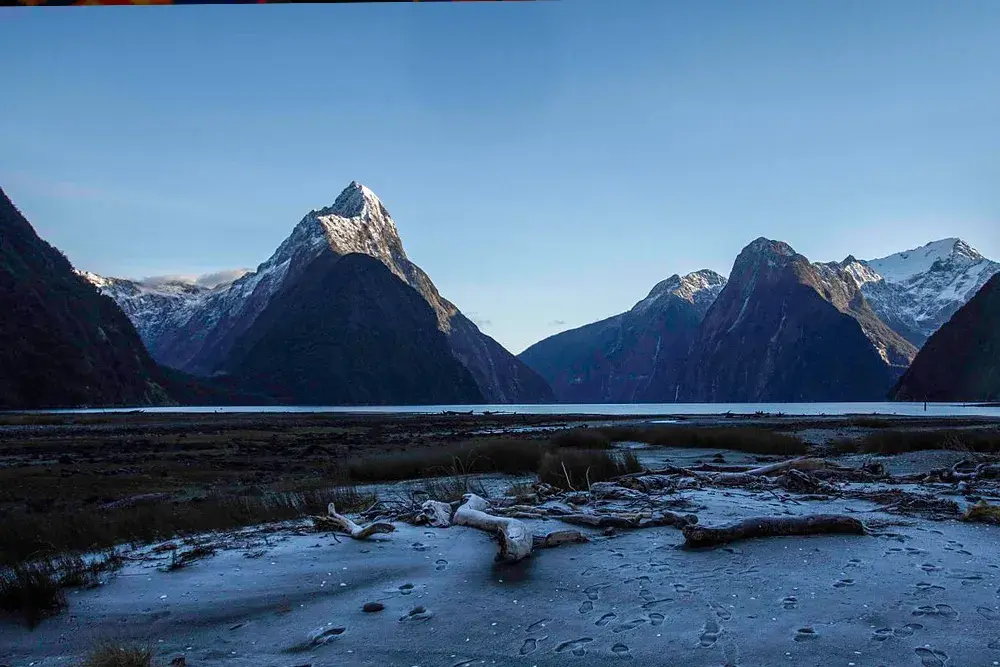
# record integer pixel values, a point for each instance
(515, 538)
(818, 524)
(342, 524)
(435, 513)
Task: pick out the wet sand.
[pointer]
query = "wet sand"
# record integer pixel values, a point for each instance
(915, 592)
(918, 593)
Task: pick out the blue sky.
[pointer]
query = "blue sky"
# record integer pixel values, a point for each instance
(546, 163)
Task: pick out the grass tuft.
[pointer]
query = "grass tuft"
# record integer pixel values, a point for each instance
(577, 468)
(115, 654)
(33, 591)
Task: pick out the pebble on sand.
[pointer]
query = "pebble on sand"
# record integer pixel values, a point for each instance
(371, 607)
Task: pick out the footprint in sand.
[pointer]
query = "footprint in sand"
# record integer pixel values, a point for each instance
(418, 614)
(440, 564)
(720, 611)
(709, 634)
(893, 550)
(805, 634)
(537, 625)
(620, 650)
(530, 645)
(646, 595)
(681, 588)
(629, 625)
(988, 613)
(589, 571)
(586, 607)
(417, 546)
(790, 602)
(843, 583)
(594, 592)
(916, 552)
(930, 567)
(406, 589)
(943, 610)
(927, 586)
(930, 657)
(882, 634)
(577, 647)
(653, 603)
(907, 630)
(854, 562)
(656, 619)
(604, 620)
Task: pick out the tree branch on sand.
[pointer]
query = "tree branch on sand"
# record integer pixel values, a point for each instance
(341, 524)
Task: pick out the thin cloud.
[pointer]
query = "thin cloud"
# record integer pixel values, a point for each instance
(557, 323)
(209, 280)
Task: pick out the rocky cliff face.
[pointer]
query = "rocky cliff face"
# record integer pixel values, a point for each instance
(350, 332)
(784, 329)
(961, 361)
(197, 334)
(62, 344)
(637, 355)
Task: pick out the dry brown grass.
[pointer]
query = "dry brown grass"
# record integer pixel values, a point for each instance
(897, 441)
(118, 654)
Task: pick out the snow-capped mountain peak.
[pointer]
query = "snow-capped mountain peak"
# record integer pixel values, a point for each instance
(902, 266)
(918, 290)
(699, 288)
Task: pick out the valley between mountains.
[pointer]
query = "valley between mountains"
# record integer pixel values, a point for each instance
(340, 315)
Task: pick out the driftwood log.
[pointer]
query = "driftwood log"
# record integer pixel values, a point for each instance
(341, 524)
(515, 539)
(818, 524)
(629, 520)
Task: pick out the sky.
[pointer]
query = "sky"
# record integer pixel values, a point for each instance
(546, 163)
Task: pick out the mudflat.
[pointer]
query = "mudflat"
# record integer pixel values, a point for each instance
(921, 587)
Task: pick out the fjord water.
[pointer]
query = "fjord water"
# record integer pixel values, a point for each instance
(641, 409)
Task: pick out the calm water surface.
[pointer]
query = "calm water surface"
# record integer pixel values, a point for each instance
(912, 409)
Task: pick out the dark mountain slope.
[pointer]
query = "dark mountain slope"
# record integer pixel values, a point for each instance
(961, 360)
(637, 355)
(61, 342)
(350, 332)
(784, 329)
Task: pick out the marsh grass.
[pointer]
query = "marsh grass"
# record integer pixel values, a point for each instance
(27, 536)
(578, 468)
(896, 441)
(117, 654)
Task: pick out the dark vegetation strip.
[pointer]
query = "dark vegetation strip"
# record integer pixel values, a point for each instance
(27, 536)
(895, 441)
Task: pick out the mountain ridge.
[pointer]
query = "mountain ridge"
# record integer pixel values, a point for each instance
(197, 335)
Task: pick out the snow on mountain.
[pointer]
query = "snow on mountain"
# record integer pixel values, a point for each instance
(194, 331)
(918, 290)
(699, 288)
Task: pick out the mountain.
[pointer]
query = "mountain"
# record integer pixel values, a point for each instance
(785, 329)
(62, 344)
(961, 361)
(196, 332)
(918, 290)
(634, 356)
(350, 332)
